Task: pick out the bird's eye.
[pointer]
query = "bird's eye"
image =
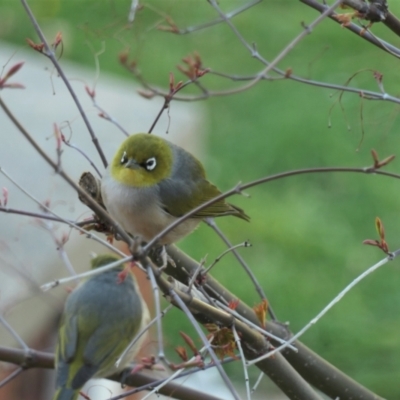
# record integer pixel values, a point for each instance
(150, 164)
(124, 158)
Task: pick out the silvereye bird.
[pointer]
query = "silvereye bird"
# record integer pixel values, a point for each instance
(101, 317)
(152, 182)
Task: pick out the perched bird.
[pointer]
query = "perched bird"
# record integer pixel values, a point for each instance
(151, 182)
(100, 319)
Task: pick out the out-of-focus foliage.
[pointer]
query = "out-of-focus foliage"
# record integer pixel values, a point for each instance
(306, 231)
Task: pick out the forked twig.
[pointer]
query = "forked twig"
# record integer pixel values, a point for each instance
(50, 54)
(328, 306)
(175, 297)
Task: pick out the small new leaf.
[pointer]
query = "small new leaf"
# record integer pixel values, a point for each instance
(379, 227)
(223, 341)
(382, 244)
(189, 342)
(193, 69)
(172, 27)
(182, 353)
(386, 160)
(379, 164)
(57, 40)
(122, 275)
(261, 312)
(233, 304)
(5, 196)
(378, 76)
(344, 19)
(288, 72)
(90, 92)
(38, 47)
(145, 94)
(12, 71)
(58, 136)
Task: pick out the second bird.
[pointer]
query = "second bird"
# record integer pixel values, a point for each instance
(101, 317)
(151, 182)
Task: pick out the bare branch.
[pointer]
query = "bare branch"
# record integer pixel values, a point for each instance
(317, 371)
(39, 359)
(9, 210)
(239, 188)
(50, 54)
(211, 222)
(356, 29)
(224, 376)
(330, 305)
(95, 206)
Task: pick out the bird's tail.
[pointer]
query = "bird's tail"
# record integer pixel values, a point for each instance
(64, 393)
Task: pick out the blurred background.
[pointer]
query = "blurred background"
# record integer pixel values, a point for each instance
(306, 231)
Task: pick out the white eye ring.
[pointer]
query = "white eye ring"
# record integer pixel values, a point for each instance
(151, 163)
(124, 159)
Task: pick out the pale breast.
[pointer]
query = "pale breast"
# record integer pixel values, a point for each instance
(139, 211)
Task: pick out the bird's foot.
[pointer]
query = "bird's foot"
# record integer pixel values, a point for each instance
(161, 258)
(146, 363)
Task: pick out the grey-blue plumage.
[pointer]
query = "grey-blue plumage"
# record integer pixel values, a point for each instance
(101, 317)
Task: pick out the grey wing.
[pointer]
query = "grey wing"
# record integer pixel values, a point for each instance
(66, 348)
(178, 193)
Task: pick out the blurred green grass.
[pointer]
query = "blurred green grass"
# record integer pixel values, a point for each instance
(306, 231)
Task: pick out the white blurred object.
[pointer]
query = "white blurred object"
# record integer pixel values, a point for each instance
(28, 251)
(45, 101)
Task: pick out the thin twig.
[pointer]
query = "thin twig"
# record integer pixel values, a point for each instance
(50, 54)
(183, 373)
(175, 297)
(196, 273)
(135, 340)
(211, 222)
(139, 380)
(243, 359)
(258, 381)
(73, 146)
(72, 224)
(360, 32)
(14, 334)
(59, 246)
(177, 374)
(367, 94)
(329, 306)
(156, 389)
(284, 52)
(216, 21)
(105, 115)
(132, 10)
(94, 205)
(284, 74)
(8, 210)
(239, 188)
(86, 274)
(159, 314)
(10, 377)
(267, 334)
(168, 98)
(314, 369)
(227, 251)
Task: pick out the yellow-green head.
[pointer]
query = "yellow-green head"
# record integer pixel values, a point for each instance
(103, 259)
(142, 160)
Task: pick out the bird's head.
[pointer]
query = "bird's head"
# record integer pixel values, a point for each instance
(142, 160)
